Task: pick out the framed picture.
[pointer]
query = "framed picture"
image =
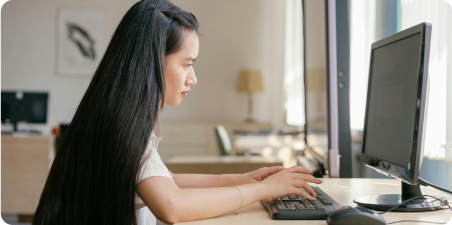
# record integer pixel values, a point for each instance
(80, 41)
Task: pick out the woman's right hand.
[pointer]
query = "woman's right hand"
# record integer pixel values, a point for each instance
(289, 181)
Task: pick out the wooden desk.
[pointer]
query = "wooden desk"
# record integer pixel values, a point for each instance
(219, 164)
(343, 191)
(25, 166)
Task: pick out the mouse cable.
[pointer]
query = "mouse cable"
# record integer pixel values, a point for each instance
(404, 221)
(420, 196)
(426, 183)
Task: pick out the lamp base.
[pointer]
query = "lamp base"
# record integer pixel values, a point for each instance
(250, 109)
(250, 120)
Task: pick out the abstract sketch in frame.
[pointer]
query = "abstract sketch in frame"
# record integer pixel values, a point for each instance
(80, 46)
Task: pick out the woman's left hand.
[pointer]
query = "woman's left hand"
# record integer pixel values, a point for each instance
(260, 174)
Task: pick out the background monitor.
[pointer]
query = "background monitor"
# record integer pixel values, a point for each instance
(30, 107)
(394, 121)
(315, 155)
(328, 136)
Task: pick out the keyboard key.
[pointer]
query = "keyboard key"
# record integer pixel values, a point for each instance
(281, 207)
(317, 191)
(309, 206)
(291, 207)
(305, 201)
(326, 202)
(299, 205)
(320, 207)
(295, 198)
(285, 199)
(315, 201)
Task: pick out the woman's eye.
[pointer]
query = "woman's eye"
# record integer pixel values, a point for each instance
(186, 66)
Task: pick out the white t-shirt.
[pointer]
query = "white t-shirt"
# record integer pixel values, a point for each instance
(152, 166)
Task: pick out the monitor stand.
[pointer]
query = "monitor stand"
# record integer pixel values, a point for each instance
(388, 201)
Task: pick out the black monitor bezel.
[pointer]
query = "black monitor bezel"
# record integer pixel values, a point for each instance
(407, 175)
(30, 94)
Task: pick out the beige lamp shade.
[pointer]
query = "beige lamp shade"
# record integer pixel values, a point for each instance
(250, 81)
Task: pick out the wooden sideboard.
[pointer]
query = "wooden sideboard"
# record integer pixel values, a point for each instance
(26, 162)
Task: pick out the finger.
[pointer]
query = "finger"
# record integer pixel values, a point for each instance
(308, 188)
(300, 192)
(277, 168)
(311, 195)
(305, 177)
(271, 170)
(274, 169)
(298, 169)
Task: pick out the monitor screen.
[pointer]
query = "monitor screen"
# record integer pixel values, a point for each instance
(315, 73)
(24, 106)
(393, 100)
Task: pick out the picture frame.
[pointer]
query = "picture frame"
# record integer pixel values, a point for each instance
(80, 41)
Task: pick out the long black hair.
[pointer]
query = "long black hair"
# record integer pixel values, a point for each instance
(94, 174)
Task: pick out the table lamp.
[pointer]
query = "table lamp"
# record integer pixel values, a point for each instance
(250, 81)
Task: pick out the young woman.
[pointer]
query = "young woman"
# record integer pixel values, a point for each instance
(107, 169)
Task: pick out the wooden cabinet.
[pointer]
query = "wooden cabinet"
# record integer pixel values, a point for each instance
(197, 138)
(25, 165)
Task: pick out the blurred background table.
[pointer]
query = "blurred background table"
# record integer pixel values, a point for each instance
(270, 143)
(220, 164)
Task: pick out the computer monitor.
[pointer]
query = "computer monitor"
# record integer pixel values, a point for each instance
(18, 106)
(394, 122)
(315, 50)
(327, 68)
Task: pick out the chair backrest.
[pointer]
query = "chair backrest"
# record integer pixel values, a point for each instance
(223, 141)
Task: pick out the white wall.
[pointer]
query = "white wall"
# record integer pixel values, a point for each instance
(28, 51)
(235, 35)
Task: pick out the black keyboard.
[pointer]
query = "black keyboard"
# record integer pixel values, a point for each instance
(294, 207)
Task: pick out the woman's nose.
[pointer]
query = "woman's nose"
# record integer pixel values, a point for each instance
(191, 79)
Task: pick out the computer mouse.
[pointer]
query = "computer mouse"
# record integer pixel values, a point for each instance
(355, 215)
